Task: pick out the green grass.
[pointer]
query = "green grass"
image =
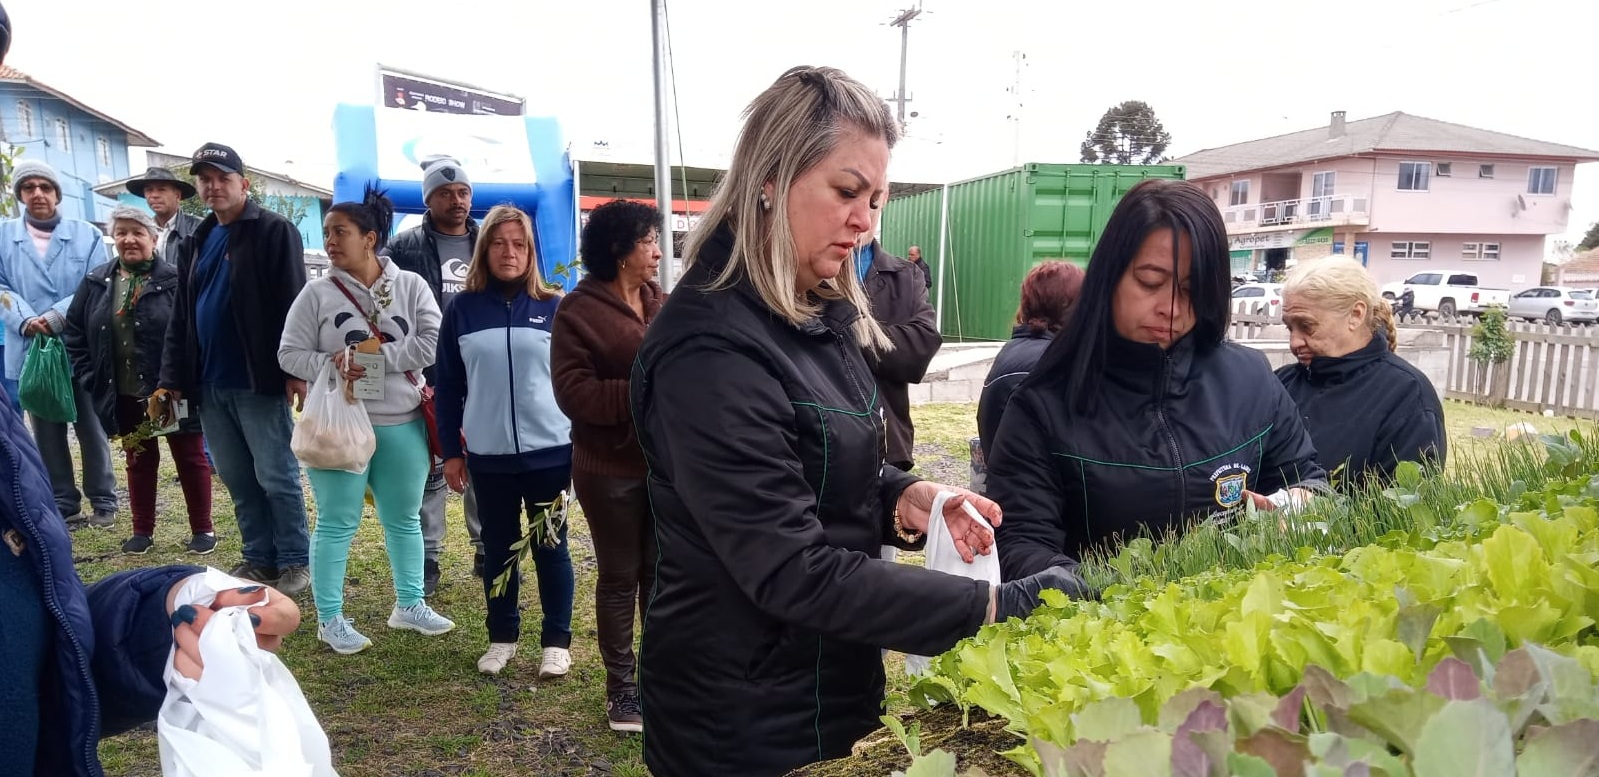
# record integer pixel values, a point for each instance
(416, 706)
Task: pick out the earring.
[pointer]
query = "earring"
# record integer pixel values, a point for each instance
(765, 203)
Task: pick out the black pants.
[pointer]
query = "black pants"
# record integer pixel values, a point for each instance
(501, 500)
(623, 530)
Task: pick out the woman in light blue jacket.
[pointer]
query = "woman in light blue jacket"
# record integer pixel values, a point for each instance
(364, 295)
(498, 420)
(43, 258)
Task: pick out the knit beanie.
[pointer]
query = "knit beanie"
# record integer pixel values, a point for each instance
(32, 168)
(441, 171)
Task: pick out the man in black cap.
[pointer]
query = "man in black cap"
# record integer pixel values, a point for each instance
(165, 192)
(237, 276)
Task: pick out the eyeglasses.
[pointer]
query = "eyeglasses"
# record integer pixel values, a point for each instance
(37, 186)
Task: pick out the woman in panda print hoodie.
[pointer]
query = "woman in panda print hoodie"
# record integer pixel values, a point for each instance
(363, 293)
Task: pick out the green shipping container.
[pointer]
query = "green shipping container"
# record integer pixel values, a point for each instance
(1002, 225)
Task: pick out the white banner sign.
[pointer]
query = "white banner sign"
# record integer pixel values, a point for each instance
(493, 149)
(1264, 240)
(680, 222)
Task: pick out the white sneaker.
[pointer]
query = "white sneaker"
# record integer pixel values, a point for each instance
(556, 663)
(499, 654)
(420, 618)
(340, 634)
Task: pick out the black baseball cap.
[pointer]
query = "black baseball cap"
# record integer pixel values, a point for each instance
(219, 156)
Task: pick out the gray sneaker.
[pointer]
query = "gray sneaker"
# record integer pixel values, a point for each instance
(340, 634)
(103, 519)
(293, 581)
(420, 618)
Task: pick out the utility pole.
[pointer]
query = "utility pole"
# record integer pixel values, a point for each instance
(903, 22)
(663, 160)
(1016, 115)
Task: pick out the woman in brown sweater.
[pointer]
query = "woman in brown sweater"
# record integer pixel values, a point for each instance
(598, 330)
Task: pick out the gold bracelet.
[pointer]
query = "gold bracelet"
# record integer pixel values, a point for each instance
(899, 528)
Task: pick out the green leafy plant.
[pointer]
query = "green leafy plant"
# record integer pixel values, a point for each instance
(543, 529)
(1490, 341)
(1483, 577)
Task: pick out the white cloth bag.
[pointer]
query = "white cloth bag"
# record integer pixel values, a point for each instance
(245, 716)
(942, 556)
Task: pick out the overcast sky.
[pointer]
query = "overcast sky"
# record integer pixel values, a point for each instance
(265, 77)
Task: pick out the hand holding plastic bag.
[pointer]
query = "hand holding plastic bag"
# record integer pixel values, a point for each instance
(334, 432)
(944, 557)
(245, 716)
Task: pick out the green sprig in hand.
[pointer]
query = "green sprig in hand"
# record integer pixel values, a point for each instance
(543, 529)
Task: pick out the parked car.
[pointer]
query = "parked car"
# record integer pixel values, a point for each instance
(1259, 298)
(1555, 305)
(1447, 292)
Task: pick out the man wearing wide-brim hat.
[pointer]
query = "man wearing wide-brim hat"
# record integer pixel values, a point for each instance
(165, 192)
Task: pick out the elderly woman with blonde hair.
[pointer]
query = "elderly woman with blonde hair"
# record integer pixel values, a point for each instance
(1366, 408)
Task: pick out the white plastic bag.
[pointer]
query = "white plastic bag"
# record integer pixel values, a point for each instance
(942, 556)
(333, 432)
(245, 716)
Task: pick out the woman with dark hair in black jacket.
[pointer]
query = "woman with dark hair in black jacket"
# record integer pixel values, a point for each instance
(1145, 416)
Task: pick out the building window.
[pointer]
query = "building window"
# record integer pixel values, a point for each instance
(102, 151)
(1490, 252)
(1541, 180)
(25, 120)
(1445, 169)
(1413, 176)
(1240, 193)
(64, 136)
(1487, 252)
(1485, 171)
(1413, 249)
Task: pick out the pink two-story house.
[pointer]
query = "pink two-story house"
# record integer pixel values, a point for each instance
(1400, 193)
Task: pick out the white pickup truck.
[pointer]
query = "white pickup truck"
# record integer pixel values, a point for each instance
(1448, 292)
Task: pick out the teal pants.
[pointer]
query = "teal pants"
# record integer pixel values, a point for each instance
(396, 475)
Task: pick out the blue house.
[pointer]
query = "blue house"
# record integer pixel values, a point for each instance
(86, 147)
(310, 202)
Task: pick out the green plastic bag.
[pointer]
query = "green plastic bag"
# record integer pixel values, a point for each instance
(45, 386)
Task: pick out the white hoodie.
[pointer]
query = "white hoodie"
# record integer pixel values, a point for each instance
(322, 321)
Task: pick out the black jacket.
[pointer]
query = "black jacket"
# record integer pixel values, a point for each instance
(899, 303)
(762, 640)
(183, 227)
(1177, 434)
(415, 250)
(1013, 362)
(1367, 411)
(91, 341)
(266, 263)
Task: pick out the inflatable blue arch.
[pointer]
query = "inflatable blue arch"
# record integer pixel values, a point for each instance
(520, 160)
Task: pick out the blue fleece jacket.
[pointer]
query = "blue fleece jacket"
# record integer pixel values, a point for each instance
(108, 645)
(496, 400)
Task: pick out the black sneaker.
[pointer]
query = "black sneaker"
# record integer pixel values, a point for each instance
(430, 576)
(477, 564)
(249, 571)
(624, 713)
(76, 521)
(137, 545)
(202, 544)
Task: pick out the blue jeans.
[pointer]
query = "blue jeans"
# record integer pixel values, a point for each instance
(249, 437)
(500, 502)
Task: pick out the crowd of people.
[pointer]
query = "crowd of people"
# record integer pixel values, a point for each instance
(741, 450)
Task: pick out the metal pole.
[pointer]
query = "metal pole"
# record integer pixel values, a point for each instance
(943, 252)
(663, 162)
(904, 44)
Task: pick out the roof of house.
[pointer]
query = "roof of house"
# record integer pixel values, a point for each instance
(1582, 266)
(1393, 132)
(135, 137)
(174, 161)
